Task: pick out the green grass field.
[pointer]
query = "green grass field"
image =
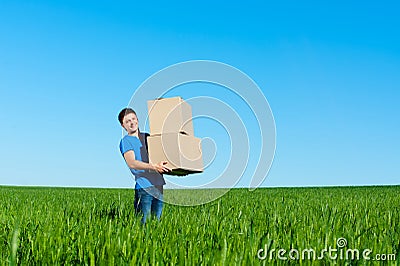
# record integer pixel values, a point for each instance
(98, 226)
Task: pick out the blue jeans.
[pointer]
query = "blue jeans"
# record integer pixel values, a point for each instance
(149, 200)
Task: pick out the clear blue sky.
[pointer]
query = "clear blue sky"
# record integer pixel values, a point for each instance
(330, 71)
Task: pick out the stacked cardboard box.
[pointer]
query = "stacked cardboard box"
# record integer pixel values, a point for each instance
(172, 136)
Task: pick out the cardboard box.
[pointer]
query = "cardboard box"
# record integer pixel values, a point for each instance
(181, 151)
(170, 115)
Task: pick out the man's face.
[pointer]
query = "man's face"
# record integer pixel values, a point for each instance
(130, 123)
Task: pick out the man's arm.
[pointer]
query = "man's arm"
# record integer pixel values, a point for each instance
(130, 160)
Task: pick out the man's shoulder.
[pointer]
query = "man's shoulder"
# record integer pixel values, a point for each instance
(130, 139)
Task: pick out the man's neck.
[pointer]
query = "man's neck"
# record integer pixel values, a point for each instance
(134, 134)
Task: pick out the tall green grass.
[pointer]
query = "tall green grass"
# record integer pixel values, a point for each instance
(98, 226)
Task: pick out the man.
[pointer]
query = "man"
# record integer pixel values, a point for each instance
(149, 179)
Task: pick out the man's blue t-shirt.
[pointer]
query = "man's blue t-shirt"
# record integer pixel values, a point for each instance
(143, 178)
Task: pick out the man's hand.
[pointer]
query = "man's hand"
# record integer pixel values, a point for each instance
(161, 168)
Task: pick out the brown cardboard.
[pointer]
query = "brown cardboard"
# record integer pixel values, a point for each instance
(182, 152)
(170, 115)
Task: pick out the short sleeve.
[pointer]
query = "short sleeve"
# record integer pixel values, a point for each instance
(125, 146)
(129, 143)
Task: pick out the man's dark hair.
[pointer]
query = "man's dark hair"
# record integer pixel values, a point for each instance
(125, 112)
